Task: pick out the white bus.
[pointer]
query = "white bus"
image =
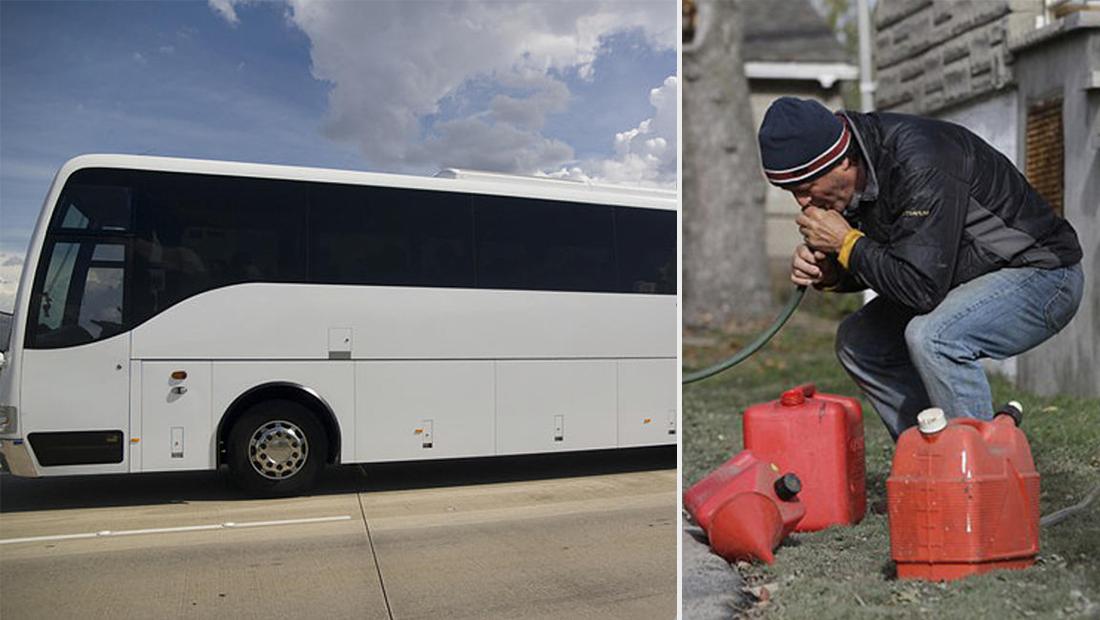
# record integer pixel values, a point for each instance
(182, 314)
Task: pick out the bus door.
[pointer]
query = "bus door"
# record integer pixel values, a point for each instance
(76, 362)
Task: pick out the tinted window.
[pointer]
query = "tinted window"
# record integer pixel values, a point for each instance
(196, 233)
(386, 236)
(79, 298)
(646, 242)
(92, 208)
(544, 245)
(183, 234)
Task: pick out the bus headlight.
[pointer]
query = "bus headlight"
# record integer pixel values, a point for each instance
(8, 420)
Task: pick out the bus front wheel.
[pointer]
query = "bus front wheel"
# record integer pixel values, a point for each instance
(277, 448)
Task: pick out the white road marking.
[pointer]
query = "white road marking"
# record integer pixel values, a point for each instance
(168, 530)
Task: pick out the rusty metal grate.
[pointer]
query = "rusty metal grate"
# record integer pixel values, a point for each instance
(1045, 151)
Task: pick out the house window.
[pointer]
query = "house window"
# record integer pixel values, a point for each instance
(1045, 152)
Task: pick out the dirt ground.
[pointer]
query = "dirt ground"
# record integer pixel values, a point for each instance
(847, 572)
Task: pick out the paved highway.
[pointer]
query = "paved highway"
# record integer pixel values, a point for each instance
(564, 536)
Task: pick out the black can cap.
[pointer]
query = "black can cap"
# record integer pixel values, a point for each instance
(1012, 409)
(787, 487)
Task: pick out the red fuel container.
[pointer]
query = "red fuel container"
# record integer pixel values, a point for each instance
(819, 437)
(746, 507)
(963, 498)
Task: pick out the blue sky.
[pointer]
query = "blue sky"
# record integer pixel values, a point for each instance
(577, 89)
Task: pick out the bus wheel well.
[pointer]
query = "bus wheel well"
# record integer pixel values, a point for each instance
(281, 391)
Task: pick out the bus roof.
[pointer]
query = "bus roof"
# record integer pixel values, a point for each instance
(450, 179)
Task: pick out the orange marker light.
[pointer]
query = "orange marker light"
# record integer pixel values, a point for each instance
(179, 375)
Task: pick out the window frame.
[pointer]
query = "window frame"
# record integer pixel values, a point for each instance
(1045, 151)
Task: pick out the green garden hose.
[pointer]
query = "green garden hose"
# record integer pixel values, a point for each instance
(753, 346)
(1058, 516)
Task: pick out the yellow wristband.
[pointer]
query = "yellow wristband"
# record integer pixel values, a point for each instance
(846, 247)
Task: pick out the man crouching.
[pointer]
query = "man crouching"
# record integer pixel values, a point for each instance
(968, 261)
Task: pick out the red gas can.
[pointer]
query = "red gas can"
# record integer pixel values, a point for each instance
(963, 497)
(746, 507)
(819, 437)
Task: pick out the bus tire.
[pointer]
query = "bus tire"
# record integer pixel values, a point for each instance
(277, 448)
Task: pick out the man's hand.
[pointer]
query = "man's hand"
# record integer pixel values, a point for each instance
(809, 267)
(822, 229)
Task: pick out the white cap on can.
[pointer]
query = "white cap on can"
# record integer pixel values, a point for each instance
(931, 420)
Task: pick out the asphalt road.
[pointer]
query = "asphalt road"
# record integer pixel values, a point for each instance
(589, 536)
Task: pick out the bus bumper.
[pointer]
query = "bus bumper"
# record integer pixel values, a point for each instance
(17, 456)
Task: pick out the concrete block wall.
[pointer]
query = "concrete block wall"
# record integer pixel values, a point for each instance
(933, 54)
(1068, 67)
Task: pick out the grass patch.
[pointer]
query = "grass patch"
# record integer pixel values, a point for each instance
(847, 572)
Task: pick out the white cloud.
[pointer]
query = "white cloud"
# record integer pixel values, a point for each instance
(392, 64)
(645, 154)
(11, 268)
(225, 9)
(480, 145)
(545, 96)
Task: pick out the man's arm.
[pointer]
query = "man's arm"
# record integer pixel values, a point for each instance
(843, 282)
(822, 271)
(916, 265)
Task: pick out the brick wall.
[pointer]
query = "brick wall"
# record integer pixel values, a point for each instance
(933, 54)
(1045, 151)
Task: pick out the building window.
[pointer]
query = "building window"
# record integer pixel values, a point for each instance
(1045, 151)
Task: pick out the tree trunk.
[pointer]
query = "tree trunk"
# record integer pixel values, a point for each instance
(725, 261)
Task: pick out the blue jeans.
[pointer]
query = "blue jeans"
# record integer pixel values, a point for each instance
(905, 362)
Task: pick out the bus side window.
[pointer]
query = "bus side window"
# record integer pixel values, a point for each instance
(533, 244)
(55, 287)
(195, 233)
(390, 236)
(646, 240)
(81, 295)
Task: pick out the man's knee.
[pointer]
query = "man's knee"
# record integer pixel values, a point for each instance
(928, 337)
(920, 336)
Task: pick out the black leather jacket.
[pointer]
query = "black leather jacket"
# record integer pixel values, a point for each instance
(942, 207)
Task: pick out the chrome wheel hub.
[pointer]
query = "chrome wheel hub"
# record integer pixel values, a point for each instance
(278, 450)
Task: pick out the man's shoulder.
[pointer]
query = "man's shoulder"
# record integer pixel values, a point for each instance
(918, 142)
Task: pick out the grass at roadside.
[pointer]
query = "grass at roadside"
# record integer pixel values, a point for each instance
(846, 572)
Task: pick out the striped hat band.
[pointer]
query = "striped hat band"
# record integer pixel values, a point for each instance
(815, 166)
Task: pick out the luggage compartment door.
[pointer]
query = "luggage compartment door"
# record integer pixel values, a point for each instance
(555, 405)
(647, 402)
(175, 416)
